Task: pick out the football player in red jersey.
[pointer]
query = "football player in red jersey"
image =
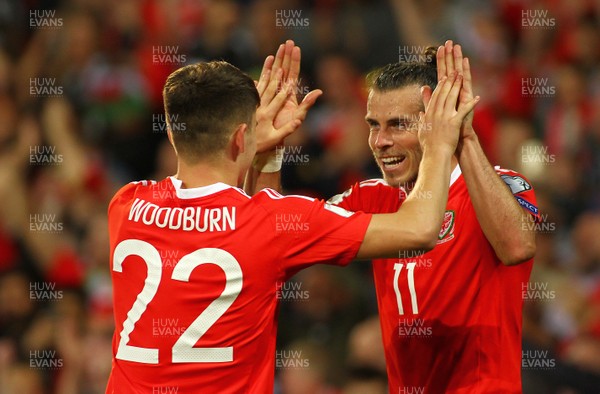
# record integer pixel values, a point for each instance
(196, 262)
(451, 318)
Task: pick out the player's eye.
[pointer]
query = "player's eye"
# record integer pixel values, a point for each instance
(373, 126)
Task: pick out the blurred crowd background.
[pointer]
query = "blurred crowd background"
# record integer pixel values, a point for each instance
(81, 115)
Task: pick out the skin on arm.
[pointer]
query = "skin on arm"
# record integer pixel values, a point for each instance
(501, 217)
(415, 226)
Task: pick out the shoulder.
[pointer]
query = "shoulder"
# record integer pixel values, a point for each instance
(366, 187)
(517, 182)
(127, 192)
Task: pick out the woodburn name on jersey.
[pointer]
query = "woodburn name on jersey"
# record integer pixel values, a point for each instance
(187, 219)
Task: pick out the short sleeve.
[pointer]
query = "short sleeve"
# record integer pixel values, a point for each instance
(312, 231)
(522, 190)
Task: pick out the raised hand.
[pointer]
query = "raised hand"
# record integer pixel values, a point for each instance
(442, 120)
(288, 113)
(450, 59)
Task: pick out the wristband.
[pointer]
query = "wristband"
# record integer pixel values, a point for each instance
(268, 161)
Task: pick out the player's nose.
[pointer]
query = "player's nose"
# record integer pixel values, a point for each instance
(383, 139)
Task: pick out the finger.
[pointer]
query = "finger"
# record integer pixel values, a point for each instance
(264, 75)
(287, 58)
(279, 57)
(288, 129)
(309, 100)
(448, 57)
(435, 95)
(452, 99)
(271, 89)
(464, 109)
(275, 105)
(458, 59)
(467, 79)
(441, 63)
(440, 103)
(294, 68)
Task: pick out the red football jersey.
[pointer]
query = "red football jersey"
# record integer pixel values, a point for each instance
(451, 318)
(195, 278)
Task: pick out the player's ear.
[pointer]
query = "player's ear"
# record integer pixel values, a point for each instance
(238, 140)
(426, 93)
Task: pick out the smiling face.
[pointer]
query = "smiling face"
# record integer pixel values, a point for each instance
(393, 117)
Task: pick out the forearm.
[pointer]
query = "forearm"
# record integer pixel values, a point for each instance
(418, 221)
(502, 219)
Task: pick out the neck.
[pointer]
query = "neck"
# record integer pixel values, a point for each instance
(453, 164)
(206, 173)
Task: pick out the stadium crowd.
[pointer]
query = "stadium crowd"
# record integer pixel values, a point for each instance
(81, 115)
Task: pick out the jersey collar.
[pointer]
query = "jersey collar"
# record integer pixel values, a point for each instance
(202, 191)
(456, 173)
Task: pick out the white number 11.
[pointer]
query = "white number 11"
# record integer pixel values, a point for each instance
(410, 268)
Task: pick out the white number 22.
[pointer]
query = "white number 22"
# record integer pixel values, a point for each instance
(183, 350)
(410, 268)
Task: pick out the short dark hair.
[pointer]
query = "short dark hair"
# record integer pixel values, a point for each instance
(204, 102)
(398, 75)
